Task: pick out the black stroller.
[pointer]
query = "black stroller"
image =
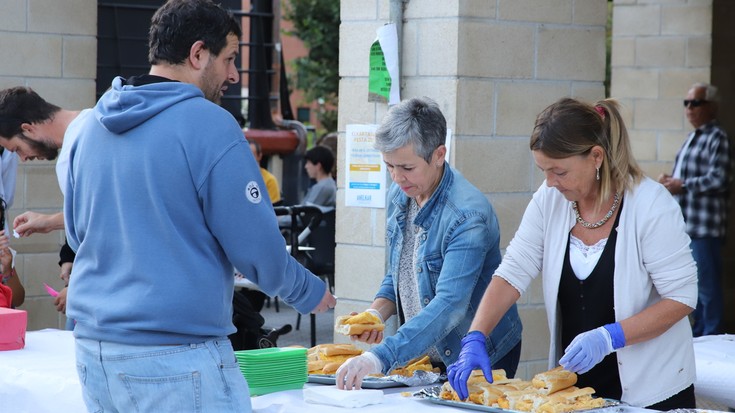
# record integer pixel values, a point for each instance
(246, 317)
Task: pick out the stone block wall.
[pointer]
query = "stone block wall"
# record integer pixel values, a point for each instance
(659, 49)
(52, 47)
(491, 67)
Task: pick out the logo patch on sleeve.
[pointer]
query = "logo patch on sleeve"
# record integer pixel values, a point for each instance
(252, 192)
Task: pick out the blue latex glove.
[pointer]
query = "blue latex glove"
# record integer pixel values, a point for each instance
(590, 347)
(472, 356)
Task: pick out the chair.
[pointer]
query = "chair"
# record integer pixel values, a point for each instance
(312, 226)
(320, 261)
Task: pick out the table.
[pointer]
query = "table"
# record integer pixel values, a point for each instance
(42, 378)
(715, 357)
(292, 401)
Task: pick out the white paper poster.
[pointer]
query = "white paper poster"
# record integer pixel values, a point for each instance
(365, 172)
(383, 81)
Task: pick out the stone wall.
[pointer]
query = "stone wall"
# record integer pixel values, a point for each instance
(492, 67)
(50, 46)
(659, 49)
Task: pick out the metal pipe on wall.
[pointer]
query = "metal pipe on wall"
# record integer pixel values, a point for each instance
(396, 17)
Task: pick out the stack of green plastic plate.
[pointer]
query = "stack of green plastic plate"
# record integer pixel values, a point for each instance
(273, 369)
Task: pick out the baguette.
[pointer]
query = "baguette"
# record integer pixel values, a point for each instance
(552, 381)
(331, 368)
(357, 324)
(499, 376)
(572, 398)
(326, 358)
(338, 350)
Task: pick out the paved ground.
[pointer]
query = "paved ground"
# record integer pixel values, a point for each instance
(302, 336)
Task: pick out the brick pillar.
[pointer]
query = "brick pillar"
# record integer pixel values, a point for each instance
(492, 67)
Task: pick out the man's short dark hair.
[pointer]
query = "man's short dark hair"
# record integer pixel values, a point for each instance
(258, 149)
(20, 105)
(322, 155)
(178, 24)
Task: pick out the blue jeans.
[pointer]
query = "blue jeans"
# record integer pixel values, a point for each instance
(709, 312)
(509, 362)
(202, 377)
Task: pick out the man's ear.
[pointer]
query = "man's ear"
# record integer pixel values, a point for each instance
(198, 55)
(27, 128)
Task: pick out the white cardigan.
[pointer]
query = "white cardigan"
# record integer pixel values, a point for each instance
(652, 261)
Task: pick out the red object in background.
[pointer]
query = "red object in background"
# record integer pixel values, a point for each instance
(13, 325)
(274, 142)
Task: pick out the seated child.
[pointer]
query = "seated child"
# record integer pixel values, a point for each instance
(12, 293)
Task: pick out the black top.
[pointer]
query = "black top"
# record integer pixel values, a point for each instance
(588, 304)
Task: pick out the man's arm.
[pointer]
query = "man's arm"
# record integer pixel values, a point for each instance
(31, 222)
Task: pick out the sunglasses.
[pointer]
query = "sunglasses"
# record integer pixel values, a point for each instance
(694, 103)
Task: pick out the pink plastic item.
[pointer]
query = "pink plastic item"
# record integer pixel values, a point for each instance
(13, 331)
(51, 291)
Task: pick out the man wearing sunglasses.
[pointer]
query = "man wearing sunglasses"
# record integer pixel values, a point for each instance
(700, 182)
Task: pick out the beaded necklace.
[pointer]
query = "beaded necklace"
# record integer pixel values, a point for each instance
(600, 222)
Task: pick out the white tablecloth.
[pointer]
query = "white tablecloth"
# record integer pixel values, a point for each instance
(715, 357)
(293, 401)
(42, 376)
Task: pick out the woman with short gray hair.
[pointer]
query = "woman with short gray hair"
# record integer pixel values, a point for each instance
(442, 246)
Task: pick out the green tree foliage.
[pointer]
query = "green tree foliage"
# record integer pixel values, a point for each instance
(316, 23)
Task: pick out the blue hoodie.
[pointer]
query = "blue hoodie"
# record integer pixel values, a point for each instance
(164, 197)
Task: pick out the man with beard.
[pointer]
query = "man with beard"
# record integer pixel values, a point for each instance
(163, 200)
(36, 129)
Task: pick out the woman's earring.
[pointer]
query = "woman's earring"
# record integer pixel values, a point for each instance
(598, 173)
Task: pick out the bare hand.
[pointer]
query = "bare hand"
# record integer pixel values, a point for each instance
(673, 185)
(60, 301)
(328, 301)
(65, 273)
(31, 222)
(6, 257)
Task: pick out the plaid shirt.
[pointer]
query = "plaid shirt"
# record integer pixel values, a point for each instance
(705, 170)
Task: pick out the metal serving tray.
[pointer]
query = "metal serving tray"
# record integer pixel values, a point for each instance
(431, 394)
(367, 382)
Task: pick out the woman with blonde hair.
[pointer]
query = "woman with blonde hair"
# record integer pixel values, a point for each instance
(618, 275)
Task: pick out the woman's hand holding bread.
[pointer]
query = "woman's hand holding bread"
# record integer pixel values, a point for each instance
(366, 326)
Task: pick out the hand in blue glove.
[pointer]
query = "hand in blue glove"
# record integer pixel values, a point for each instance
(472, 356)
(590, 347)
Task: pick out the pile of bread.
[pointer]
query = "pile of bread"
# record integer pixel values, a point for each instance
(552, 391)
(326, 359)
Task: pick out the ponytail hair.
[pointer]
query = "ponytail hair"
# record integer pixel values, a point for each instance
(570, 127)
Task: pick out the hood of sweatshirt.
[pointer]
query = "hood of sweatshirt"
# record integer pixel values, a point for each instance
(123, 107)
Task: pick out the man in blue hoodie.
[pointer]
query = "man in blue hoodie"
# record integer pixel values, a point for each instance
(163, 198)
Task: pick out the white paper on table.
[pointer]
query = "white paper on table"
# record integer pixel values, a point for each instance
(342, 398)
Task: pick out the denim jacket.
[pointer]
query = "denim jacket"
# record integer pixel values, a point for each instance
(458, 252)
